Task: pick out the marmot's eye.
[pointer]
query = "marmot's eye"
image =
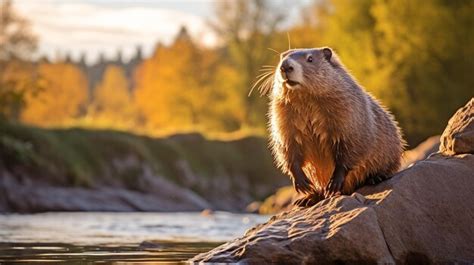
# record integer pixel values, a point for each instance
(309, 59)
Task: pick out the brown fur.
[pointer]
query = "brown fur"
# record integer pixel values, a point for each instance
(330, 107)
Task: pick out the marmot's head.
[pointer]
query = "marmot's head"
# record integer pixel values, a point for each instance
(309, 70)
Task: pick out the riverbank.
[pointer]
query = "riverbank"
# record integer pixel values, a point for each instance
(98, 170)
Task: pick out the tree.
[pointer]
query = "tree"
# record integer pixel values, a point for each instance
(112, 105)
(16, 39)
(63, 94)
(426, 60)
(17, 75)
(413, 55)
(247, 29)
(178, 88)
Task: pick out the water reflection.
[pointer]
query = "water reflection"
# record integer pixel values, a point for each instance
(78, 238)
(150, 252)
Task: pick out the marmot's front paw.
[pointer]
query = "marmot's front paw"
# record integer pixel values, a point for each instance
(308, 200)
(302, 184)
(334, 186)
(375, 179)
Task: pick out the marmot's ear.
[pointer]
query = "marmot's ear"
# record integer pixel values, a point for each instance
(327, 53)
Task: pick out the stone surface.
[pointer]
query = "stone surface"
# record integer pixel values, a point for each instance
(31, 196)
(422, 151)
(423, 215)
(458, 137)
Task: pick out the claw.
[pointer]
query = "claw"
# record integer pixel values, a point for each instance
(375, 179)
(302, 184)
(308, 200)
(301, 202)
(334, 187)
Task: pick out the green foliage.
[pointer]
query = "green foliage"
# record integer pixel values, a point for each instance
(425, 56)
(17, 75)
(416, 56)
(89, 158)
(248, 28)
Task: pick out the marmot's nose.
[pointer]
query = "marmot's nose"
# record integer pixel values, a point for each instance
(286, 67)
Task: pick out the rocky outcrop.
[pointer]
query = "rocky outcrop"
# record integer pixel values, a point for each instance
(423, 215)
(458, 137)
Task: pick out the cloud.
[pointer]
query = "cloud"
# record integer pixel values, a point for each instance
(104, 26)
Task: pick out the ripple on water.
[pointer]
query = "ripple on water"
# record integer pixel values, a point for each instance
(75, 238)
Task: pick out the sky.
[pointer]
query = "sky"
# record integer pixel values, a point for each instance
(104, 26)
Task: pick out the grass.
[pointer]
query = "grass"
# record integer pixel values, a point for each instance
(90, 158)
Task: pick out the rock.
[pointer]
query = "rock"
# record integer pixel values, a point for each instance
(423, 215)
(281, 200)
(36, 196)
(458, 137)
(207, 212)
(422, 151)
(253, 207)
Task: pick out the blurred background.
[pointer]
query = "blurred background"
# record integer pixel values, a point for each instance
(161, 67)
(147, 96)
(126, 106)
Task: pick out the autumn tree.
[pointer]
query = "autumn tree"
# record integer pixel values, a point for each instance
(17, 75)
(178, 88)
(413, 55)
(63, 95)
(247, 29)
(426, 60)
(112, 105)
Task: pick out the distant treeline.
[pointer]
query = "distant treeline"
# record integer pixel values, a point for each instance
(416, 56)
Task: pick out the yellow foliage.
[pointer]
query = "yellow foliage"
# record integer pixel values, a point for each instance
(181, 88)
(64, 92)
(112, 106)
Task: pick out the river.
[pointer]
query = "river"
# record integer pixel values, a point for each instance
(117, 238)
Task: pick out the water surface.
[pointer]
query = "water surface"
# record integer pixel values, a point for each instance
(78, 238)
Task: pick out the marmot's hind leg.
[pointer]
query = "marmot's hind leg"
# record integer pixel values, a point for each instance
(375, 179)
(309, 200)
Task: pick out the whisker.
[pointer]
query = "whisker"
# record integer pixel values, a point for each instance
(273, 50)
(258, 82)
(262, 74)
(289, 40)
(266, 71)
(262, 77)
(266, 85)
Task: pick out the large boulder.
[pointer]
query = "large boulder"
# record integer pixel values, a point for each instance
(458, 137)
(423, 215)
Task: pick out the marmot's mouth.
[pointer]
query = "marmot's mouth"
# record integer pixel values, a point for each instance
(291, 82)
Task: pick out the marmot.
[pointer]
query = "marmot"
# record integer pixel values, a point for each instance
(327, 132)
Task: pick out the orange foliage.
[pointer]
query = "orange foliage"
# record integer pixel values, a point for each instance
(112, 106)
(178, 89)
(64, 92)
